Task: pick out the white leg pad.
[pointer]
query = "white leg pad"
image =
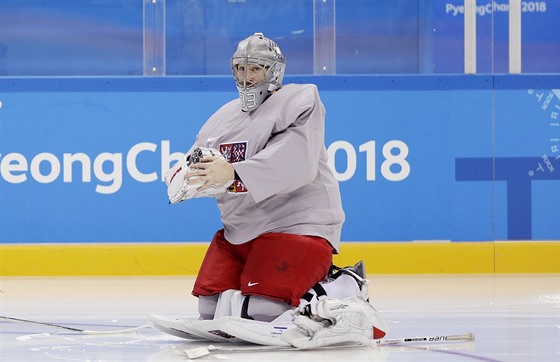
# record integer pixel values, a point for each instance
(179, 328)
(229, 329)
(229, 304)
(337, 322)
(263, 333)
(228, 326)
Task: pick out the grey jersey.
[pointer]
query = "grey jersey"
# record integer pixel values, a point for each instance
(278, 151)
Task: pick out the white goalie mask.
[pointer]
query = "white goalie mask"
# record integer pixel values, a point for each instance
(258, 68)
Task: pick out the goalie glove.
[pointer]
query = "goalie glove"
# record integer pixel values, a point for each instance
(337, 322)
(178, 188)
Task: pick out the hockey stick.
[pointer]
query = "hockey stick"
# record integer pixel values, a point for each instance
(204, 351)
(77, 330)
(468, 337)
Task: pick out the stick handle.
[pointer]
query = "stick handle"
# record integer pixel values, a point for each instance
(468, 337)
(18, 320)
(84, 331)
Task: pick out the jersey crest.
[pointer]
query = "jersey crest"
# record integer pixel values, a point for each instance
(235, 152)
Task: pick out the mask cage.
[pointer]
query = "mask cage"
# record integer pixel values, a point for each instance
(249, 73)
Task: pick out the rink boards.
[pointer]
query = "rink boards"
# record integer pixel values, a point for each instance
(147, 259)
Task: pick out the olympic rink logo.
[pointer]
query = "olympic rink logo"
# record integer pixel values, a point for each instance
(393, 167)
(108, 169)
(495, 7)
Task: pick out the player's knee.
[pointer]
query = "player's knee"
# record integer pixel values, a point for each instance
(262, 309)
(207, 306)
(233, 303)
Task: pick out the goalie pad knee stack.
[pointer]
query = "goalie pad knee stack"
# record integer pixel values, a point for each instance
(337, 322)
(336, 312)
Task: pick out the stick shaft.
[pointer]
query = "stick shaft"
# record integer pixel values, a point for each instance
(18, 320)
(429, 339)
(84, 331)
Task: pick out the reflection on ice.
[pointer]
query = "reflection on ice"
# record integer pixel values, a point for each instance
(515, 319)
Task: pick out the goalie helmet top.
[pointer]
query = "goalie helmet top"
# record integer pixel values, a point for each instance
(258, 68)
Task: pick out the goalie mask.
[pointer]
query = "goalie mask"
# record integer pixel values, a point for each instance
(258, 68)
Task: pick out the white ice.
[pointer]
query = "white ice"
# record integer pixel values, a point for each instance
(516, 318)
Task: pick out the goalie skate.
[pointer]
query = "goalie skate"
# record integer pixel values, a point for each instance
(357, 272)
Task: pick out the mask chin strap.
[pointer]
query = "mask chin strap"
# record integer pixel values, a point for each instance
(245, 308)
(251, 99)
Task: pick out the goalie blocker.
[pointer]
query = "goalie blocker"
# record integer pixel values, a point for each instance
(336, 311)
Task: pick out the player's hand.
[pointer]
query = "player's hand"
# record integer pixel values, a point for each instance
(212, 171)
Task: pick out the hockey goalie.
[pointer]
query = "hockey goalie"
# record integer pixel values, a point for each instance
(267, 276)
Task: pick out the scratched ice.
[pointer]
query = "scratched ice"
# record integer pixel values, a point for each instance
(515, 318)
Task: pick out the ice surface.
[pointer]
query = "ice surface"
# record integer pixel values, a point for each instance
(516, 318)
